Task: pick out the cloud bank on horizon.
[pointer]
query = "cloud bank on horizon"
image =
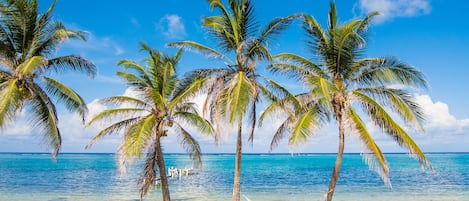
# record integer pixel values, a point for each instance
(443, 133)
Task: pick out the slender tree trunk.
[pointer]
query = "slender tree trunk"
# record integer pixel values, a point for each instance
(237, 174)
(162, 169)
(338, 161)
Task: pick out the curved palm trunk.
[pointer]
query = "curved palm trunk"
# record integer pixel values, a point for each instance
(162, 169)
(237, 174)
(338, 161)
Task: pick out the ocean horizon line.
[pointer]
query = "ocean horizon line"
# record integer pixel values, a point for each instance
(228, 153)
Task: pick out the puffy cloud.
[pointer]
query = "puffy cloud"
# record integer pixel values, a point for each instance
(172, 27)
(439, 117)
(390, 9)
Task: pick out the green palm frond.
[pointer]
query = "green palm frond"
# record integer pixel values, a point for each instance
(44, 117)
(383, 120)
(112, 129)
(68, 96)
(375, 157)
(73, 63)
(119, 100)
(304, 126)
(275, 28)
(401, 102)
(390, 71)
(317, 37)
(195, 120)
(31, 64)
(191, 45)
(109, 114)
(129, 64)
(138, 136)
(190, 145)
(287, 69)
(306, 64)
(237, 96)
(133, 80)
(281, 131)
(322, 88)
(187, 89)
(10, 102)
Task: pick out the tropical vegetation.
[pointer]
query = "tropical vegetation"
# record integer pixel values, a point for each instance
(28, 41)
(341, 81)
(234, 90)
(159, 108)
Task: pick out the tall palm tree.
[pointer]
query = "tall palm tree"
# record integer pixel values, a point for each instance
(340, 80)
(160, 108)
(235, 89)
(28, 39)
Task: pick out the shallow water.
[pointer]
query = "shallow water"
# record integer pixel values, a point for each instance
(264, 177)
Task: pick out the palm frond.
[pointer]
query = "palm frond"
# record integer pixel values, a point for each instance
(195, 120)
(322, 87)
(147, 177)
(10, 102)
(253, 115)
(190, 145)
(400, 102)
(138, 136)
(390, 71)
(237, 96)
(384, 121)
(139, 69)
(73, 63)
(133, 80)
(191, 45)
(45, 118)
(68, 96)
(308, 65)
(31, 64)
(112, 129)
(304, 126)
(375, 157)
(120, 100)
(109, 114)
(317, 38)
(283, 129)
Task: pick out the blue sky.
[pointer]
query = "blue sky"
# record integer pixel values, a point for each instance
(431, 35)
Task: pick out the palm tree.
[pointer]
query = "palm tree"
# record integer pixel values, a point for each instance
(159, 108)
(27, 41)
(235, 89)
(341, 80)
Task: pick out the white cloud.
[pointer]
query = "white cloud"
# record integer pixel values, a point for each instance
(390, 9)
(439, 118)
(172, 27)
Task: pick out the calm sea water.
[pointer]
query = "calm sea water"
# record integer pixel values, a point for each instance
(83, 177)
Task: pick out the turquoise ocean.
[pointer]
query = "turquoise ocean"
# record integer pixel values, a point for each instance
(267, 177)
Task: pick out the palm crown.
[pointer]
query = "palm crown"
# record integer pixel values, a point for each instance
(340, 80)
(27, 40)
(156, 110)
(234, 90)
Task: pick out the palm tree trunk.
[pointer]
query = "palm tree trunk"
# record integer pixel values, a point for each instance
(237, 174)
(162, 169)
(338, 161)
